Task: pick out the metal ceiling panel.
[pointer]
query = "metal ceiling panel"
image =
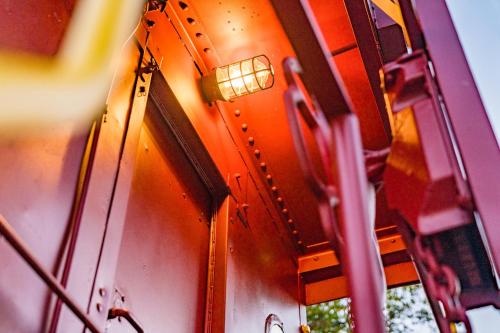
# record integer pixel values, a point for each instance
(242, 29)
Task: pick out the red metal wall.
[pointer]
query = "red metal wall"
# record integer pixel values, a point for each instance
(38, 177)
(162, 267)
(261, 275)
(34, 26)
(163, 260)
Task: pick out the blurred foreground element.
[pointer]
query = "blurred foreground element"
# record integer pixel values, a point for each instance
(407, 310)
(40, 90)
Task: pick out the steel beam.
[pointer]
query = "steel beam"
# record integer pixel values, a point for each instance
(335, 288)
(320, 73)
(473, 133)
(329, 258)
(369, 48)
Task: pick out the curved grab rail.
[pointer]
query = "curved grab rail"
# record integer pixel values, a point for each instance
(341, 155)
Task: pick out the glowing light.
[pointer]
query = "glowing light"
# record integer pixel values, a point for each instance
(238, 79)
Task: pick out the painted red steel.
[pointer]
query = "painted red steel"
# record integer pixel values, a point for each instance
(34, 26)
(96, 205)
(241, 29)
(342, 200)
(335, 23)
(110, 250)
(422, 178)
(23, 250)
(162, 261)
(367, 41)
(473, 133)
(341, 151)
(39, 176)
(310, 46)
(196, 223)
(243, 287)
(261, 276)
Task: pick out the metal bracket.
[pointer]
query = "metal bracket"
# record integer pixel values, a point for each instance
(422, 159)
(127, 315)
(150, 67)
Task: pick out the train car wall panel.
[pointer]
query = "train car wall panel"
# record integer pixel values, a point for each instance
(100, 186)
(239, 30)
(179, 74)
(39, 175)
(261, 276)
(162, 267)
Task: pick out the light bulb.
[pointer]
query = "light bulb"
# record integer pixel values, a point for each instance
(238, 79)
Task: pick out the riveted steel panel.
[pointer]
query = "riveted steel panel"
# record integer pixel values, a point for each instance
(261, 276)
(241, 29)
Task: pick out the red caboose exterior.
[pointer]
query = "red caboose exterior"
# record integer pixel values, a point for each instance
(217, 166)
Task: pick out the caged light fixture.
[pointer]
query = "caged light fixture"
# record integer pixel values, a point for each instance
(238, 79)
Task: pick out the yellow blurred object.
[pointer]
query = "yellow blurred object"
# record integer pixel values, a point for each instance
(38, 91)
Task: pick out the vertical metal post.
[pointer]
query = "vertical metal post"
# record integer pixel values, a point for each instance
(473, 133)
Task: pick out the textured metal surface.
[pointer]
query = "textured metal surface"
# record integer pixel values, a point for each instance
(162, 265)
(110, 250)
(475, 138)
(335, 288)
(100, 186)
(264, 282)
(246, 205)
(30, 258)
(422, 178)
(241, 29)
(39, 176)
(21, 30)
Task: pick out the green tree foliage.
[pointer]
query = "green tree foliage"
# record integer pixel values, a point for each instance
(407, 310)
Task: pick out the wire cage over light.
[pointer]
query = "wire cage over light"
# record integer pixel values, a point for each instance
(239, 79)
